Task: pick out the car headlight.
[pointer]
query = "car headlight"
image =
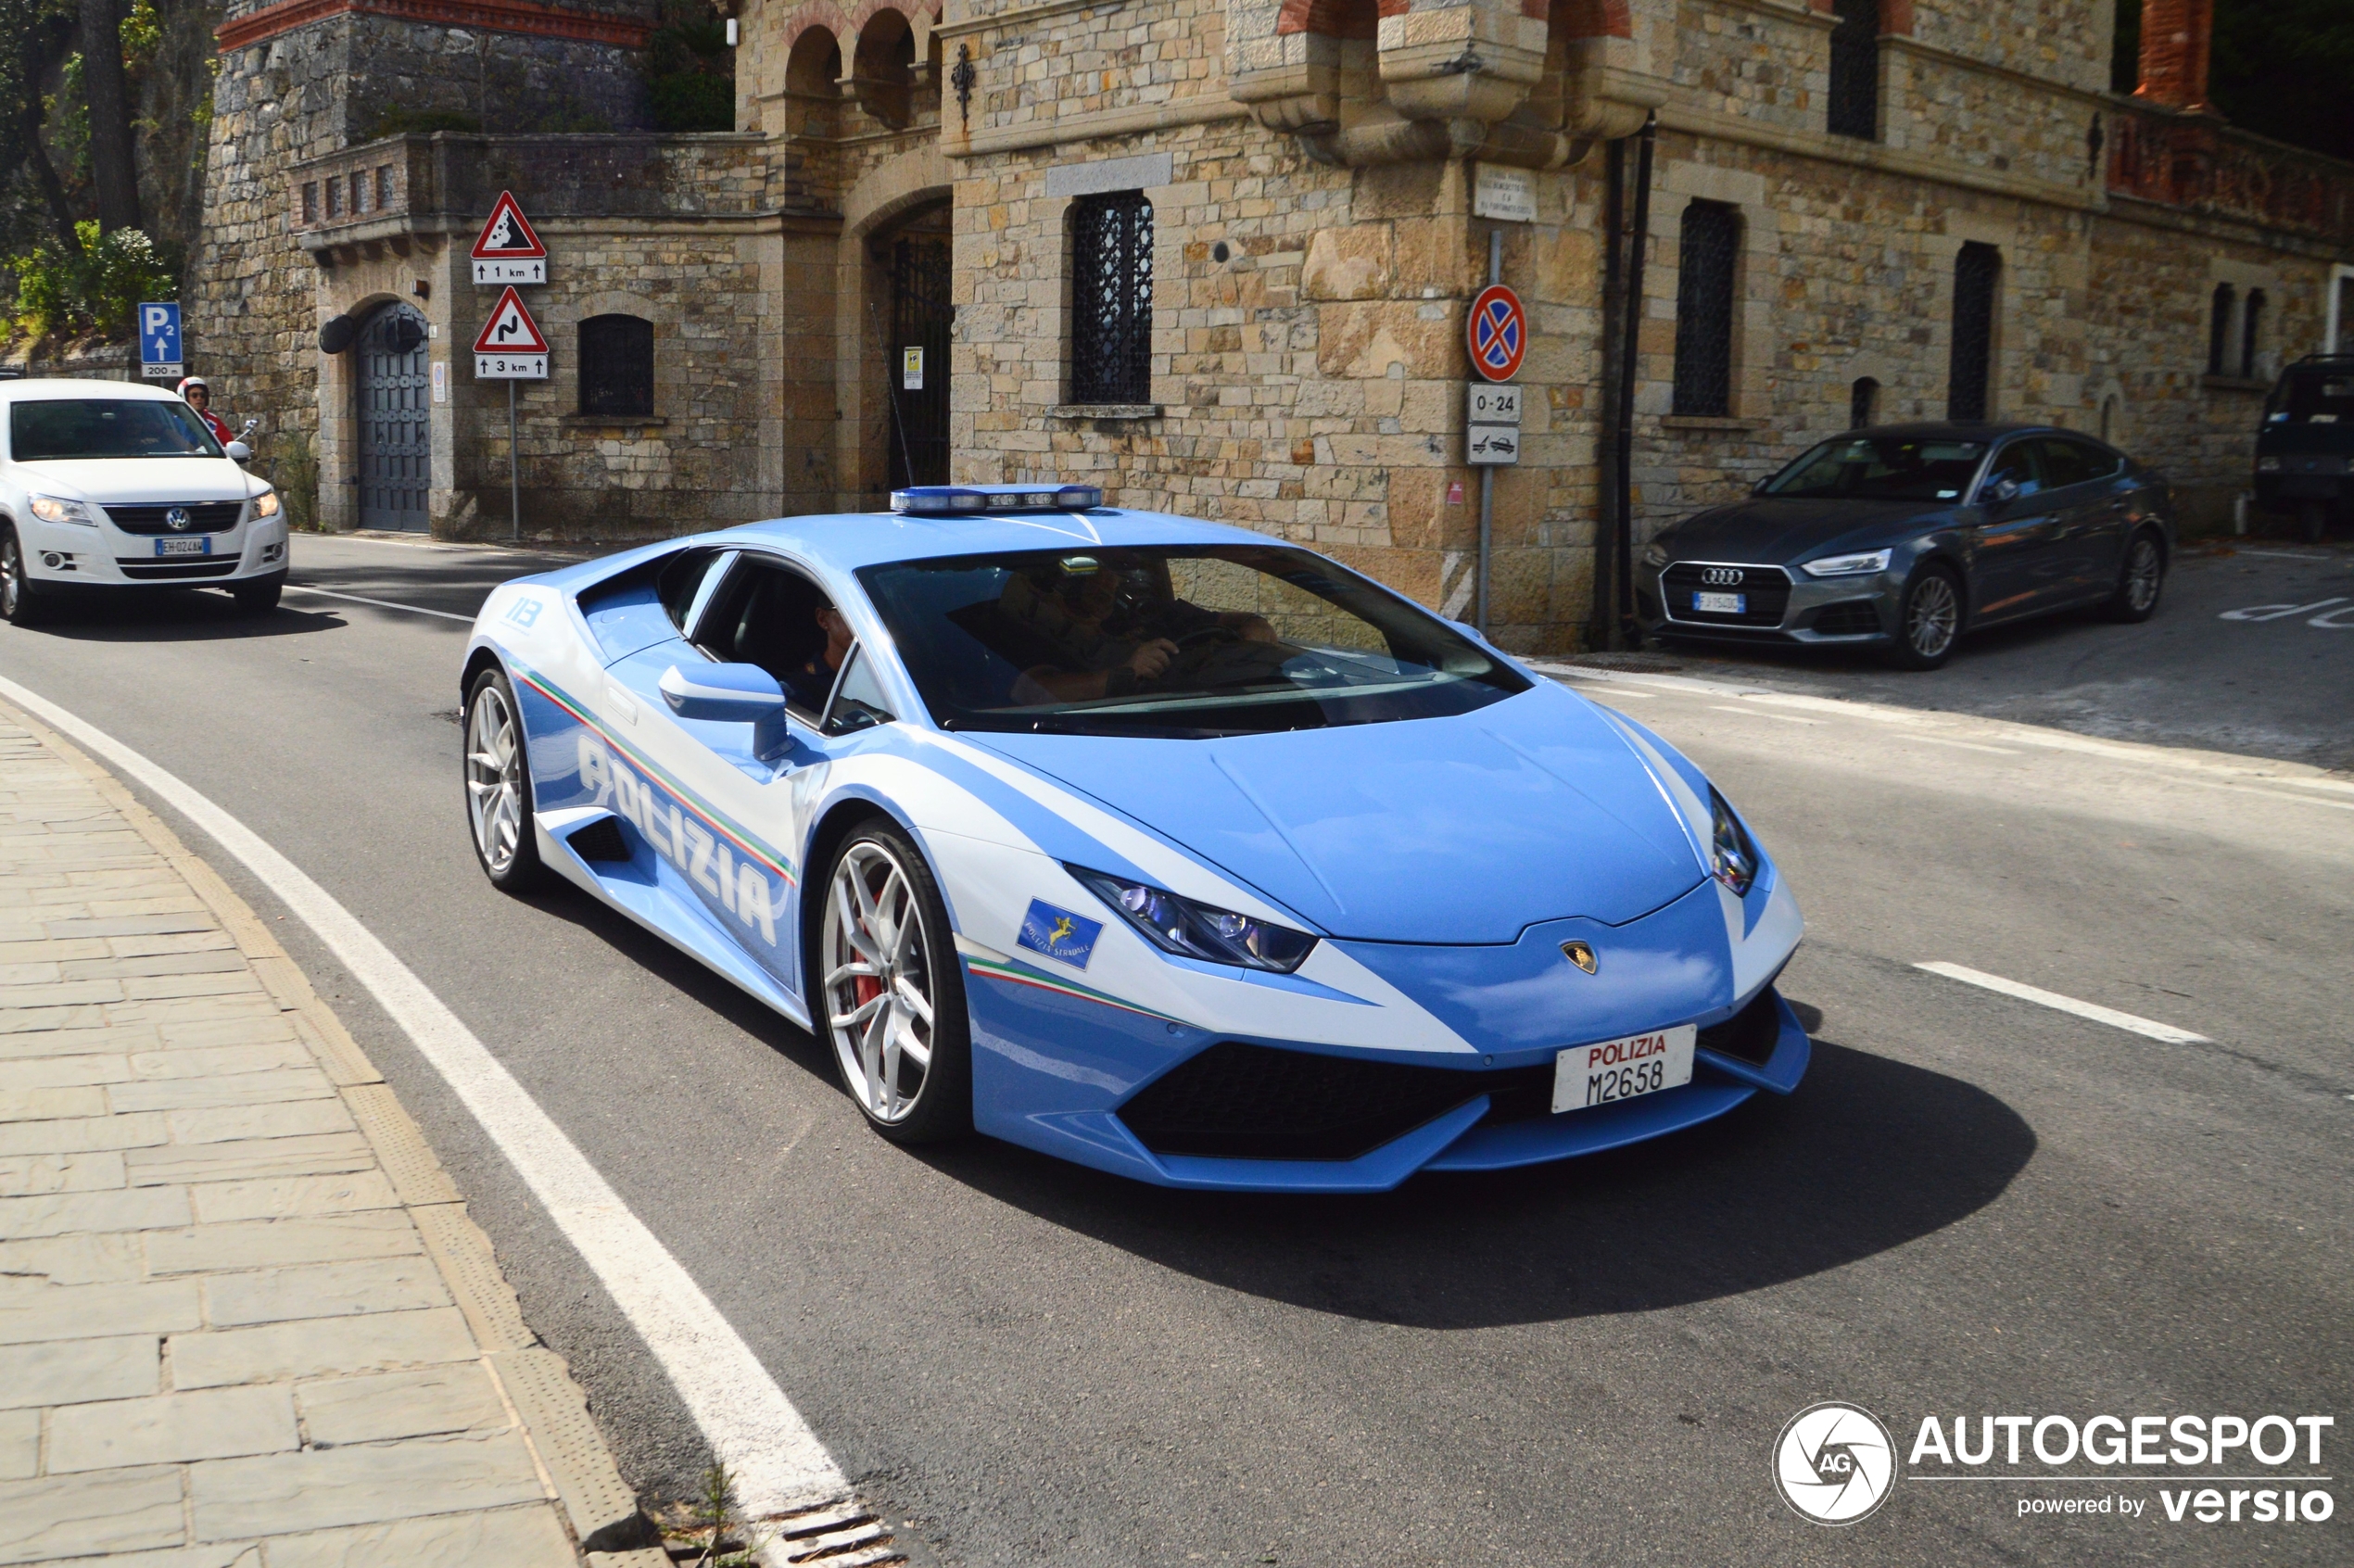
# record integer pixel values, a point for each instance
(1196, 930)
(2268, 465)
(1733, 857)
(1655, 555)
(266, 504)
(1849, 565)
(50, 509)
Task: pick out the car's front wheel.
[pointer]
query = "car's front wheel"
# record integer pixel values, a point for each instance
(891, 998)
(1928, 622)
(498, 770)
(2140, 580)
(21, 602)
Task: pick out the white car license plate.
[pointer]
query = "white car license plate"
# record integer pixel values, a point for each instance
(1721, 603)
(1610, 1071)
(200, 545)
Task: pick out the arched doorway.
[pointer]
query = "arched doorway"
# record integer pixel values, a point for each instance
(395, 404)
(915, 259)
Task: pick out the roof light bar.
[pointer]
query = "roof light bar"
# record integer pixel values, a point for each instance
(948, 500)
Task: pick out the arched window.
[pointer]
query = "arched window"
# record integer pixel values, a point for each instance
(2251, 319)
(2112, 418)
(2219, 329)
(1708, 262)
(1111, 299)
(1978, 273)
(1862, 403)
(813, 94)
(885, 59)
(617, 366)
(1854, 100)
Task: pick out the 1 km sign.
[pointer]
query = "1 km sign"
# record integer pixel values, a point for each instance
(511, 347)
(508, 250)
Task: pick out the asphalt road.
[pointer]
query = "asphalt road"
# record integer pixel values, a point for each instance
(1975, 1204)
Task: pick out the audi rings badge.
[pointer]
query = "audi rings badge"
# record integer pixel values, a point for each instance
(1722, 576)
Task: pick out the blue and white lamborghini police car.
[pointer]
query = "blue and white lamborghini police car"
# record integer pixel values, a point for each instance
(1147, 842)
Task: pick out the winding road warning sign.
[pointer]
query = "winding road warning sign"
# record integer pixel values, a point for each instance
(1497, 333)
(510, 346)
(508, 250)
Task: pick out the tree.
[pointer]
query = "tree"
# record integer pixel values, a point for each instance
(111, 169)
(35, 38)
(2285, 68)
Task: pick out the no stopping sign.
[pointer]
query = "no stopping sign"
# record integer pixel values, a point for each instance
(1497, 333)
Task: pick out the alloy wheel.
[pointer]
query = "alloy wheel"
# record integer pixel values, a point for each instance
(1931, 616)
(11, 575)
(2143, 573)
(494, 780)
(879, 981)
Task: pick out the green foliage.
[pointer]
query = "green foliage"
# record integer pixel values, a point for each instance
(142, 35)
(2285, 68)
(96, 290)
(292, 465)
(690, 73)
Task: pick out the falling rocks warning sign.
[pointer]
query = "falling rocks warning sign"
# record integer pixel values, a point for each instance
(511, 347)
(508, 250)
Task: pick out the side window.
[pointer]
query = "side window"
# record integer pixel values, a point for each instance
(2099, 462)
(766, 614)
(686, 583)
(858, 702)
(2065, 463)
(2016, 463)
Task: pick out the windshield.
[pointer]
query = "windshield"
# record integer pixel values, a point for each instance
(112, 427)
(1908, 468)
(1171, 641)
(2310, 398)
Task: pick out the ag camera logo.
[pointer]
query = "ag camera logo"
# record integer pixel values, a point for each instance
(1834, 1464)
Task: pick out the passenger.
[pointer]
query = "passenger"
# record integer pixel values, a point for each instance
(810, 685)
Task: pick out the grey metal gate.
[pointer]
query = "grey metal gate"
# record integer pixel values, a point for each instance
(920, 317)
(396, 461)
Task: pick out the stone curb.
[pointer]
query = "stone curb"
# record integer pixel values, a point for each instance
(551, 1409)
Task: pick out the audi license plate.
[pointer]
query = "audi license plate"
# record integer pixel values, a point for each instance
(1720, 603)
(200, 545)
(1586, 1076)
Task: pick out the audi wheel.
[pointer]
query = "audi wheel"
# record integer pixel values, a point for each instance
(1928, 622)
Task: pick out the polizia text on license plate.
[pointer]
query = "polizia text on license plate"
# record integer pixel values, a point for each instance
(1610, 1071)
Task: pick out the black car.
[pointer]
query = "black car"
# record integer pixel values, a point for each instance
(1904, 537)
(2305, 452)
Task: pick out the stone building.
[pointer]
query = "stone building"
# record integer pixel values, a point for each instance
(1217, 255)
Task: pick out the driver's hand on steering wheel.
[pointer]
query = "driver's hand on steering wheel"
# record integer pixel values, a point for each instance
(1254, 628)
(1151, 659)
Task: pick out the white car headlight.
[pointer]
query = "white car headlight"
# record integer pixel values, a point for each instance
(1196, 930)
(1733, 858)
(1849, 565)
(50, 509)
(2268, 465)
(266, 504)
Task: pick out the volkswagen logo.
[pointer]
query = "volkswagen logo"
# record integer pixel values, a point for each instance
(178, 519)
(1834, 1464)
(1722, 576)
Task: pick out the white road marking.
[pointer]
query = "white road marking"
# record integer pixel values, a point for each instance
(751, 1426)
(1967, 745)
(379, 603)
(1754, 712)
(2283, 555)
(2149, 1028)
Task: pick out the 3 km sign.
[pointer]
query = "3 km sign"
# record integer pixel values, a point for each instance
(511, 347)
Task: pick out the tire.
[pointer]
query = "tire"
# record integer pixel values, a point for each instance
(1929, 619)
(871, 962)
(2313, 522)
(21, 602)
(259, 595)
(2140, 580)
(496, 766)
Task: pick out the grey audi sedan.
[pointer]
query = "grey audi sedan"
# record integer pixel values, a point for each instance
(1903, 537)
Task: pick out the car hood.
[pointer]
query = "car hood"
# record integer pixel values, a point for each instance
(137, 481)
(1449, 830)
(1773, 532)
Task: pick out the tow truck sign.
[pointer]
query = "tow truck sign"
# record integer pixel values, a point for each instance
(511, 347)
(508, 250)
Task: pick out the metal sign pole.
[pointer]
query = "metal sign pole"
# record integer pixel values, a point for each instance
(1488, 474)
(515, 484)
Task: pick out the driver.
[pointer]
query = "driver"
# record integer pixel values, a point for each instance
(1120, 628)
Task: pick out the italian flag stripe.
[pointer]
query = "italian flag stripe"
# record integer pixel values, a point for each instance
(1021, 974)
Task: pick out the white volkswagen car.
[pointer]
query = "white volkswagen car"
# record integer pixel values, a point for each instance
(114, 485)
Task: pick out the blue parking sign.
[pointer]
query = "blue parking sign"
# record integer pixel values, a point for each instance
(159, 355)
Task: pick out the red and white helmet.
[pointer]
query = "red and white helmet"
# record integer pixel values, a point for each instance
(188, 381)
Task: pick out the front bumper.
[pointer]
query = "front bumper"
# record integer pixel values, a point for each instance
(101, 555)
(1842, 612)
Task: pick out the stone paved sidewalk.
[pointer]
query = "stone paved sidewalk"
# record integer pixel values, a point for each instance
(244, 1321)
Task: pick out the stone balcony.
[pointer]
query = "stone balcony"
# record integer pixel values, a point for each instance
(2198, 163)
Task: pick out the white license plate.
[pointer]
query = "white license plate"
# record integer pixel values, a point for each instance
(1721, 603)
(200, 545)
(1612, 1070)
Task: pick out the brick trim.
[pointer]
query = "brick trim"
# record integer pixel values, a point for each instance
(492, 15)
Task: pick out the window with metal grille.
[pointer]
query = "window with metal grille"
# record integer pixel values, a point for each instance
(1704, 309)
(2219, 328)
(1978, 271)
(1111, 299)
(1863, 402)
(2251, 320)
(617, 365)
(1854, 100)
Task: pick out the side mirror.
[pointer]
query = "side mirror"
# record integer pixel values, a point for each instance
(1999, 492)
(238, 452)
(731, 694)
(1759, 489)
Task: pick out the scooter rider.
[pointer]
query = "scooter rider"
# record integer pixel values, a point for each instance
(197, 396)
